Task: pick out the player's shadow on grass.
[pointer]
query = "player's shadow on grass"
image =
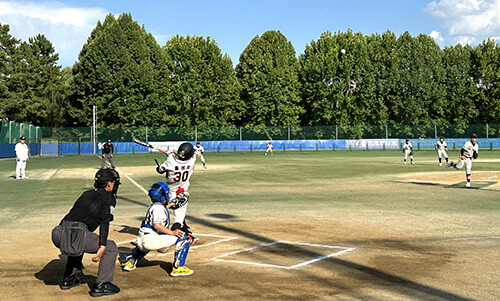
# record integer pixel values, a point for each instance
(461, 185)
(52, 273)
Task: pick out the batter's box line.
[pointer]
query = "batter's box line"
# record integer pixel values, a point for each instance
(223, 239)
(335, 254)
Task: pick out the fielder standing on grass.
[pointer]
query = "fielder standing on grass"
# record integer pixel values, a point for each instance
(198, 151)
(408, 150)
(107, 152)
(441, 146)
(468, 152)
(269, 148)
(155, 235)
(74, 235)
(22, 155)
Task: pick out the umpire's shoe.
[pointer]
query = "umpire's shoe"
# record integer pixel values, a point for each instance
(103, 289)
(70, 282)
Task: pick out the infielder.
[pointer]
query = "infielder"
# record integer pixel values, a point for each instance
(107, 152)
(441, 146)
(468, 152)
(178, 168)
(408, 150)
(22, 155)
(154, 233)
(198, 151)
(269, 148)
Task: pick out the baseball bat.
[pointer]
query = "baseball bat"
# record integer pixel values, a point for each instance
(146, 144)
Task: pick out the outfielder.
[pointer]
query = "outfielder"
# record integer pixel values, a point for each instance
(22, 155)
(269, 148)
(154, 233)
(441, 146)
(408, 150)
(179, 167)
(198, 151)
(468, 152)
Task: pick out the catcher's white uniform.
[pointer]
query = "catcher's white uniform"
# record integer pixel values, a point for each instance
(441, 150)
(178, 174)
(408, 149)
(22, 154)
(149, 239)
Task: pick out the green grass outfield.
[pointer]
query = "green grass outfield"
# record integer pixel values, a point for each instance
(238, 181)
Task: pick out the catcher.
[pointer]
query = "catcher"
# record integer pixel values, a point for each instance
(154, 233)
(468, 152)
(408, 150)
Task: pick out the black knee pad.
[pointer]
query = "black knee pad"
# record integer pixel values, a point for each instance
(176, 226)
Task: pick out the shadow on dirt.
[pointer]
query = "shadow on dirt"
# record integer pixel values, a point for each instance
(52, 273)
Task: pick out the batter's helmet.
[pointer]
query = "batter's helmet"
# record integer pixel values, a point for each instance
(158, 192)
(185, 151)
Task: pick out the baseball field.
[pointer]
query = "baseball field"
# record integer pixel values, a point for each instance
(327, 225)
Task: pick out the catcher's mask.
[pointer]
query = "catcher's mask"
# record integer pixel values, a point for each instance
(185, 151)
(158, 192)
(103, 176)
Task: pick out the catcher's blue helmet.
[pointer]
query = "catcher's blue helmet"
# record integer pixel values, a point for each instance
(158, 192)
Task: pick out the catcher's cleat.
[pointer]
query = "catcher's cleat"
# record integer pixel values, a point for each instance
(181, 271)
(130, 264)
(449, 164)
(193, 239)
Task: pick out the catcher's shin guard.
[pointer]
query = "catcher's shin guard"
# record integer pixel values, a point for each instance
(181, 251)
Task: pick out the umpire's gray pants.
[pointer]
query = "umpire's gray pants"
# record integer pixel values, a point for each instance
(110, 159)
(106, 264)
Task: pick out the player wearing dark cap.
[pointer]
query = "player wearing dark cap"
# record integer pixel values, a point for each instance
(74, 235)
(468, 152)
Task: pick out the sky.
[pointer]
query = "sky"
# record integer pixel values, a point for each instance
(233, 23)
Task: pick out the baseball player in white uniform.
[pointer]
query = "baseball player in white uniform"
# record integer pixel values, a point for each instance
(269, 148)
(441, 146)
(468, 152)
(154, 233)
(198, 152)
(178, 168)
(408, 150)
(22, 155)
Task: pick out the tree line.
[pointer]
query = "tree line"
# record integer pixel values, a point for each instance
(342, 78)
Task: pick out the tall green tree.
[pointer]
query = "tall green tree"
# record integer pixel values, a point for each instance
(119, 71)
(268, 73)
(33, 82)
(8, 47)
(200, 87)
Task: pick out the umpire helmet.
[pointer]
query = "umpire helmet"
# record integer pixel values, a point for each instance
(103, 176)
(158, 192)
(185, 151)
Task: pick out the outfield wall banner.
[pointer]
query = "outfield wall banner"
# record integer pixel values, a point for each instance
(165, 145)
(373, 143)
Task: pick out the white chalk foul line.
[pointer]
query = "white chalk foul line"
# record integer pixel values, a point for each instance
(344, 250)
(129, 178)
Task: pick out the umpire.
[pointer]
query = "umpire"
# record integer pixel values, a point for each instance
(107, 152)
(74, 235)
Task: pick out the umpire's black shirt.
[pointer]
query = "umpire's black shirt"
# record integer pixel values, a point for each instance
(95, 209)
(107, 148)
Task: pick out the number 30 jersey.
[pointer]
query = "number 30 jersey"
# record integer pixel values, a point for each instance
(178, 173)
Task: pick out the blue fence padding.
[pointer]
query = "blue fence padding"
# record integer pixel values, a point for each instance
(87, 148)
(7, 150)
(68, 148)
(34, 149)
(277, 144)
(49, 148)
(129, 147)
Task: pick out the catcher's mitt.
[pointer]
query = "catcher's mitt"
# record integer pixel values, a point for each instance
(475, 155)
(180, 201)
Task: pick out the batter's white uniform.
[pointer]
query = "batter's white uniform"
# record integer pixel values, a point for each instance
(269, 148)
(22, 153)
(468, 151)
(198, 152)
(149, 239)
(407, 148)
(178, 174)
